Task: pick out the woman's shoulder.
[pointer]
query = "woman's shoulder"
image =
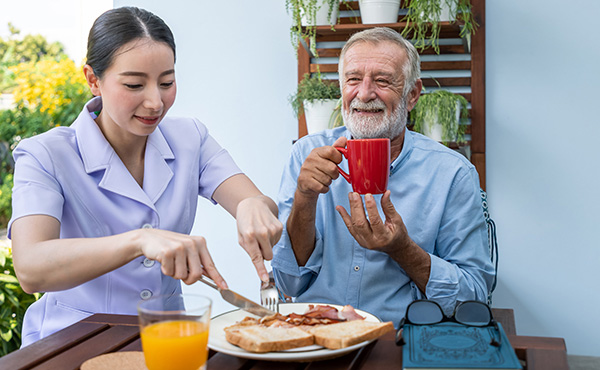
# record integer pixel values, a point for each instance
(56, 138)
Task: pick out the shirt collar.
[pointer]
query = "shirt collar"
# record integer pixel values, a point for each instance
(407, 147)
(97, 154)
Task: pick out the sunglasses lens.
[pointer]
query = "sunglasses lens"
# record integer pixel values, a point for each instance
(473, 313)
(424, 312)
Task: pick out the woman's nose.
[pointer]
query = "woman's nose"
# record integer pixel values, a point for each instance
(153, 99)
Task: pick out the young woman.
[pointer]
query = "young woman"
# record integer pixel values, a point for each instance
(102, 210)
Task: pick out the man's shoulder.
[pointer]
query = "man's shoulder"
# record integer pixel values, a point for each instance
(436, 152)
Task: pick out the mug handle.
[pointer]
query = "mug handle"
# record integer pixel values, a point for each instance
(344, 152)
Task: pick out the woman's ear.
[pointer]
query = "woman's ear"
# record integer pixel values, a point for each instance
(92, 80)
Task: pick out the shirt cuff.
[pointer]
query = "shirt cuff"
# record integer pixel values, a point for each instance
(443, 284)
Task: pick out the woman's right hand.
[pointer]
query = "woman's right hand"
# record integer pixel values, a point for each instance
(183, 257)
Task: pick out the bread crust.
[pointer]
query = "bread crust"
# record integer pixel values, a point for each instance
(260, 339)
(349, 333)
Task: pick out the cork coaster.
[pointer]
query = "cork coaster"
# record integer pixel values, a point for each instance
(116, 360)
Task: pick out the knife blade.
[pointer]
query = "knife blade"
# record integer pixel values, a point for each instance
(239, 300)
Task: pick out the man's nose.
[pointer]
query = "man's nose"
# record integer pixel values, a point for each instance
(366, 90)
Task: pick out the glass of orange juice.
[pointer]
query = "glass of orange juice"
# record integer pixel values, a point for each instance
(174, 331)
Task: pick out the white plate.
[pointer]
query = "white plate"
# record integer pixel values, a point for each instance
(217, 341)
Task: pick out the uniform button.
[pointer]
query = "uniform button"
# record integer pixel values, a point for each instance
(356, 268)
(145, 294)
(148, 262)
(147, 226)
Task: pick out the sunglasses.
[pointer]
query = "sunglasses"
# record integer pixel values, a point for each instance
(470, 313)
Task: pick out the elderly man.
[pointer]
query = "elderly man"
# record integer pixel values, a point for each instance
(425, 237)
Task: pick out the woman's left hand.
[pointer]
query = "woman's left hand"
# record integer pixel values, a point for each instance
(258, 231)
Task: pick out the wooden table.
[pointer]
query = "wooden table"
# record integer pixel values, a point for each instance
(103, 333)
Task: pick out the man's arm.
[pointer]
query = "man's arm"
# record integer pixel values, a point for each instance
(317, 172)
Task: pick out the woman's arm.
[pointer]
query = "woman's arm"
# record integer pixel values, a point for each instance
(44, 262)
(256, 215)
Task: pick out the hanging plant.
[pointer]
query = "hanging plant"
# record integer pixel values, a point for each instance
(440, 106)
(424, 15)
(307, 10)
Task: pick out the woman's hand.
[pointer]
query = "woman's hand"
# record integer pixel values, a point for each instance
(183, 257)
(258, 231)
(256, 215)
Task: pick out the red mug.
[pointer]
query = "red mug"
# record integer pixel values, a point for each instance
(368, 164)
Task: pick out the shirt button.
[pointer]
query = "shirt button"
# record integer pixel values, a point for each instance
(145, 294)
(148, 262)
(147, 226)
(356, 268)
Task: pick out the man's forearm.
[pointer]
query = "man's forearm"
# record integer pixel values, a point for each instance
(415, 262)
(301, 226)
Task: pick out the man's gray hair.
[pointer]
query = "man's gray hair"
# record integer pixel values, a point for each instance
(412, 67)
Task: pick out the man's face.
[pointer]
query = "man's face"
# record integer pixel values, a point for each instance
(372, 90)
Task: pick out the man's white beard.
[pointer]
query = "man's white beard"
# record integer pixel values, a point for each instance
(389, 126)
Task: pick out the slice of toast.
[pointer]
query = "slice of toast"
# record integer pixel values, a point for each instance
(349, 333)
(259, 338)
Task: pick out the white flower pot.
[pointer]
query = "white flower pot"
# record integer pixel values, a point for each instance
(446, 15)
(379, 11)
(433, 130)
(321, 18)
(318, 114)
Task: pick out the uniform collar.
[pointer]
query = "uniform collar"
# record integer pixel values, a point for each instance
(98, 155)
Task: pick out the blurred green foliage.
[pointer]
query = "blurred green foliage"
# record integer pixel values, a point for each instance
(49, 90)
(13, 303)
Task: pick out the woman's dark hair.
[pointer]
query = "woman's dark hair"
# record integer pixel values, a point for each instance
(117, 27)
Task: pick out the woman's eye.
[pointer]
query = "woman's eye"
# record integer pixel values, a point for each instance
(167, 84)
(133, 86)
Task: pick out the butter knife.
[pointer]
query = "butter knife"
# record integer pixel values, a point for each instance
(239, 300)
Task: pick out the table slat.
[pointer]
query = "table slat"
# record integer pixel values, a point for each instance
(107, 341)
(52, 345)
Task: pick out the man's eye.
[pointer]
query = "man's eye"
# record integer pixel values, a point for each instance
(130, 86)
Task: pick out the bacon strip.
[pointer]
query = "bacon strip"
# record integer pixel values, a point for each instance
(315, 315)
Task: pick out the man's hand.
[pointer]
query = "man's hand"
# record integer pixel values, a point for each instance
(373, 233)
(320, 169)
(390, 237)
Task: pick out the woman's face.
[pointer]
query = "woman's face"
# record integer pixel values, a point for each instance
(137, 89)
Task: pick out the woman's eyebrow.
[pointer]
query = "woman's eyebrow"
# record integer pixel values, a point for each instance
(143, 74)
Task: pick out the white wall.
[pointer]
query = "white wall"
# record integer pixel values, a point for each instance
(542, 169)
(236, 68)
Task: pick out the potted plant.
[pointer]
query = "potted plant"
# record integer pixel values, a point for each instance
(423, 17)
(439, 115)
(316, 98)
(306, 14)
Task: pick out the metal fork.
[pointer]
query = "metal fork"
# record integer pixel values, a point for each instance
(269, 295)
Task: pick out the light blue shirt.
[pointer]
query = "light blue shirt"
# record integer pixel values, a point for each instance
(74, 175)
(435, 190)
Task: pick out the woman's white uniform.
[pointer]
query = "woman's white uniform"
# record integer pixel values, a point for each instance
(74, 175)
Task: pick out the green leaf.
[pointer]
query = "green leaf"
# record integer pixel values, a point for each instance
(8, 279)
(6, 335)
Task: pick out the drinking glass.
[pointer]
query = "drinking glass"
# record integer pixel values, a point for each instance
(174, 331)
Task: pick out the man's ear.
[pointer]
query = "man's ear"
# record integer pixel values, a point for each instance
(92, 80)
(414, 94)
